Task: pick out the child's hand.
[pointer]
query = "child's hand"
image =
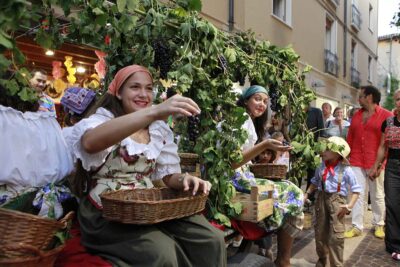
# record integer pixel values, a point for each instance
(344, 210)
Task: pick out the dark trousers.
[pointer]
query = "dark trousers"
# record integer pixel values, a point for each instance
(392, 201)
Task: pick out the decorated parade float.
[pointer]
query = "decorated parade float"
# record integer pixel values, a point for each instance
(187, 55)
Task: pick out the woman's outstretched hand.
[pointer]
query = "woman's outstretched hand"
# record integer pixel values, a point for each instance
(276, 145)
(195, 183)
(175, 105)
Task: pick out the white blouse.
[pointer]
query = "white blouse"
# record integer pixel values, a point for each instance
(33, 151)
(161, 146)
(248, 126)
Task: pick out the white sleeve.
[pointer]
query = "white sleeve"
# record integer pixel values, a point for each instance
(252, 135)
(33, 151)
(89, 161)
(167, 161)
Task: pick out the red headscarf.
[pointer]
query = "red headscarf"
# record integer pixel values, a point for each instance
(124, 74)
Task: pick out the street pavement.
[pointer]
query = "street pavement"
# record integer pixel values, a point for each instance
(363, 251)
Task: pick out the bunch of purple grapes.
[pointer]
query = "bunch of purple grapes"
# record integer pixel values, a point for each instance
(193, 127)
(274, 96)
(162, 57)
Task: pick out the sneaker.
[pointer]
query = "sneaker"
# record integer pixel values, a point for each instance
(353, 232)
(396, 256)
(237, 241)
(379, 231)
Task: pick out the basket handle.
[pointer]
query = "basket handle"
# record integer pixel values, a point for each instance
(21, 247)
(67, 218)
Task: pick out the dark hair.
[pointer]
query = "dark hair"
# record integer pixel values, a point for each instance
(336, 109)
(259, 122)
(372, 90)
(42, 71)
(80, 182)
(68, 116)
(13, 101)
(273, 155)
(277, 134)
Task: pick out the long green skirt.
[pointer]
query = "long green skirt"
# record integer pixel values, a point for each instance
(190, 241)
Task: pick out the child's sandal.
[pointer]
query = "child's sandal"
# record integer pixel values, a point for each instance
(396, 256)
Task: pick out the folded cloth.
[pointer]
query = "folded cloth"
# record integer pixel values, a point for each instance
(249, 230)
(76, 99)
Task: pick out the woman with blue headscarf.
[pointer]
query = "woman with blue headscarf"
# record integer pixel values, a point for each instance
(287, 217)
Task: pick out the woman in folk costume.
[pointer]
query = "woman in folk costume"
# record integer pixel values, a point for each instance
(126, 144)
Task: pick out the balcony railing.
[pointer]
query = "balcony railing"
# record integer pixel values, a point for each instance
(336, 2)
(331, 63)
(355, 77)
(355, 18)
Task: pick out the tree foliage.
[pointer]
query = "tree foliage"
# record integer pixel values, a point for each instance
(205, 62)
(389, 101)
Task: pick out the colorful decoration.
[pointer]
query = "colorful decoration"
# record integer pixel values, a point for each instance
(57, 71)
(71, 70)
(92, 82)
(100, 65)
(58, 84)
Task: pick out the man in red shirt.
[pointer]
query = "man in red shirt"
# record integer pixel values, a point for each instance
(364, 137)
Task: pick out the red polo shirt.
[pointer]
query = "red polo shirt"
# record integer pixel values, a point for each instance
(364, 139)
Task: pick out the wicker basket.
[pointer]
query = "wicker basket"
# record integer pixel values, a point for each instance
(32, 257)
(308, 217)
(19, 227)
(189, 159)
(268, 170)
(149, 206)
(190, 164)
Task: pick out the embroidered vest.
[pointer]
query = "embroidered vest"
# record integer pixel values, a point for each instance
(392, 134)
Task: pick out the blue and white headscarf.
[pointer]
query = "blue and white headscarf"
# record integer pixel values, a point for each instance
(254, 89)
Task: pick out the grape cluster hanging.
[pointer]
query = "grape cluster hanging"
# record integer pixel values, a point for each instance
(193, 127)
(162, 57)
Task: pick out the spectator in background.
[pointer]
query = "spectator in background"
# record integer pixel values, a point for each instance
(390, 142)
(278, 124)
(38, 82)
(327, 112)
(351, 113)
(364, 138)
(315, 123)
(337, 126)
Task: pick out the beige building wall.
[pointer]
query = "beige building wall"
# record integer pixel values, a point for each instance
(388, 61)
(306, 34)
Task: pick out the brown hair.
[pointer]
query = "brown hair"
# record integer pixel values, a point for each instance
(80, 181)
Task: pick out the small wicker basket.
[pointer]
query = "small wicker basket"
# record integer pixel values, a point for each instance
(19, 227)
(268, 170)
(150, 206)
(308, 217)
(189, 159)
(190, 164)
(29, 256)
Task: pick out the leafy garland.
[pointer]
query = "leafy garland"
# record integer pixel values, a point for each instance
(204, 64)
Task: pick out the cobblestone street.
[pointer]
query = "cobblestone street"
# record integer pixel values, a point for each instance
(363, 251)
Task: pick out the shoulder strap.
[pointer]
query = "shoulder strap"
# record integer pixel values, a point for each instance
(340, 177)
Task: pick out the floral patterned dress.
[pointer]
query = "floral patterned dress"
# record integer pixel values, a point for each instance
(122, 171)
(288, 198)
